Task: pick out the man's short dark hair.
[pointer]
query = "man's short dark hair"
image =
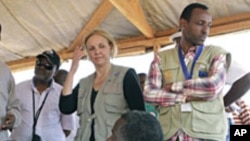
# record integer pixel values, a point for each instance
(187, 12)
(141, 126)
(142, 74)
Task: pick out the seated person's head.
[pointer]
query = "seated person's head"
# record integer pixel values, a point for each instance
(136, 126)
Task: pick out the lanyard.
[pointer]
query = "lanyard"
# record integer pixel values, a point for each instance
(184, 66)
(36, 115)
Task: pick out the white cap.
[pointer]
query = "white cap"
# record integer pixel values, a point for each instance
(175, 35)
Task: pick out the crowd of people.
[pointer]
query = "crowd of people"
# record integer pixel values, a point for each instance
(180, 99)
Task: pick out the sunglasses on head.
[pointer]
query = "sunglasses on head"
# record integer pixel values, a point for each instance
(46, 66)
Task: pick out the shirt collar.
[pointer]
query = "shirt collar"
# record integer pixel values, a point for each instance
(51, 87)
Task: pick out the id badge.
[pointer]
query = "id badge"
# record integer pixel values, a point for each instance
(186, 107)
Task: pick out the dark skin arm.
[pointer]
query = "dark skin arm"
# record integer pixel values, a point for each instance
(238, 89)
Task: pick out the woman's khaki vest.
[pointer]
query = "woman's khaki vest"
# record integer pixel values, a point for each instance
(109, 105)
(207, 119)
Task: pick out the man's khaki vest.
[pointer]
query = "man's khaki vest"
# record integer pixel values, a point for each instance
(207, 119)
(109, 105)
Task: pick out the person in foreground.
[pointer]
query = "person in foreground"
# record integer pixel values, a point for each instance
(186, 82)
(39, 98)
(10, 116)
(103, 96)
(136, 126)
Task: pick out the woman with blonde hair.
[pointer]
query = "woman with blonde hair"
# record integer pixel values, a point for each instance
(103, 96)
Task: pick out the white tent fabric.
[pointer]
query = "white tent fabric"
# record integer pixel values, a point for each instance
(32, 26)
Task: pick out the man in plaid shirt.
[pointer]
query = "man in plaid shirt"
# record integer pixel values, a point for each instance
(186, 82)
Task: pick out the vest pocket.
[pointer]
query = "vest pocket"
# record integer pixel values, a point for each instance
(115, 103)
(202, 68)
(208, 118)
(170, 73)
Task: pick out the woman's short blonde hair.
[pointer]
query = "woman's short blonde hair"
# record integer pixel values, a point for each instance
(106, 35)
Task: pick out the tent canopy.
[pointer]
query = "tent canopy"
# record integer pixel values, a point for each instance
(31, 26)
